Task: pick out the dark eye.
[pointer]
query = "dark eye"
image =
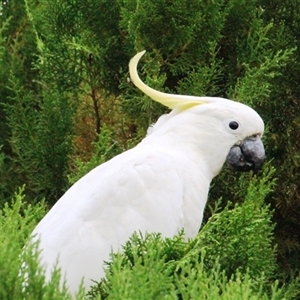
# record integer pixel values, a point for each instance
(234, 125)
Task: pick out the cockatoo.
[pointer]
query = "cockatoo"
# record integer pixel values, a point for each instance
(161, 185)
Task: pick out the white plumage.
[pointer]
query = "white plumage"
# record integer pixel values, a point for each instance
(161, 185)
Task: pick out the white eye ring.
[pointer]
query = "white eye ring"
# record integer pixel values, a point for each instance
(233, 125)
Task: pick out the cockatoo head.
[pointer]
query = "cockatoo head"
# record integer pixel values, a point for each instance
(233, 126)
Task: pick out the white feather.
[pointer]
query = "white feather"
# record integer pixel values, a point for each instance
(161, 185)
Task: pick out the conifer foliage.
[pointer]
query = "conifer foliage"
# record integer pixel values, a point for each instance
(66, 105)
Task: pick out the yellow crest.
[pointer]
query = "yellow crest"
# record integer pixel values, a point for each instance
(170, 100)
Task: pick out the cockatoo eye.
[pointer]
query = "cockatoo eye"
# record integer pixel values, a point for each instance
(234, 125)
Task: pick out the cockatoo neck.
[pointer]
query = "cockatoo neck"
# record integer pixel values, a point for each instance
(193, 137)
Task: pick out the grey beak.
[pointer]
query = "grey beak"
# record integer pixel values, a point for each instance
(248, 155)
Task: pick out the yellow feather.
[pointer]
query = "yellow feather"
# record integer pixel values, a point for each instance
(170, 100)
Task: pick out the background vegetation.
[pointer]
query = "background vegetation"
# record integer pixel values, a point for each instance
(66, 105)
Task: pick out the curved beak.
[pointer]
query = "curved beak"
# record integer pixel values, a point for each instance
(247, 155)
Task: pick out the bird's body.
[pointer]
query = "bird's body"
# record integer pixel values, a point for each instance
(126, 194)
(161, 185)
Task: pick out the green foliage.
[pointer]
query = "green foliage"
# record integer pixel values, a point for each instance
(283, 139)
(233, 257)
(246, 231)
(21, 277)
(57, 55)
(36, 109)
(260, 63)
(183, 40)
(104, 149)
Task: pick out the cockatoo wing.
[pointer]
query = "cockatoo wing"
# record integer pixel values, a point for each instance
(139, 190)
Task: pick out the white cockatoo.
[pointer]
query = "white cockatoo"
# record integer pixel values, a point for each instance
(161, 185)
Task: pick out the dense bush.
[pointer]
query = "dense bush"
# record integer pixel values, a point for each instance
(233, 257)
(64, 91)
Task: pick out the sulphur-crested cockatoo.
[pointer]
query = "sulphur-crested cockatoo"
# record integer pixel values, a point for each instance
(161, 185)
